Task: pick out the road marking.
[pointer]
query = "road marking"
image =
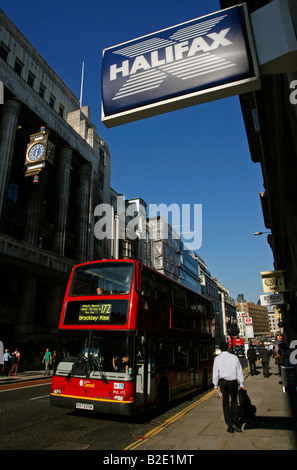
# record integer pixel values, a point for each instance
(37, 398)
(19, 386)
(153, 432)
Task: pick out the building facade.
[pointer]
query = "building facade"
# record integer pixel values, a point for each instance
(259, 316)
(270, 117)
(46, 226)
(210, 289)
(228, 307)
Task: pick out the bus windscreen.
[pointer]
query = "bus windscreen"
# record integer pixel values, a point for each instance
(102, 279)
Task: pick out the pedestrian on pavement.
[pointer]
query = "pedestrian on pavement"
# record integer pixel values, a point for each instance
(47, 359)
(279, 360)
(15, 360)
(252, 358)
(227, 374)
(6, 361)
(54, 358)
(264, 358)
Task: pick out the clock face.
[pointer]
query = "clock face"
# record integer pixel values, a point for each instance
(36, 152)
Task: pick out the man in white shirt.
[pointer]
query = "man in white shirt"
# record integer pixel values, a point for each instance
(227, 374)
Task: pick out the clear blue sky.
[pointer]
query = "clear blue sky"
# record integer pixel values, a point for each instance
(195, 156)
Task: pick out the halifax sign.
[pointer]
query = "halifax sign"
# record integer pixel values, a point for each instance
(208, 58)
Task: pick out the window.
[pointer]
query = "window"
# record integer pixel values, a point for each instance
(111, 278)
(61, 110)
(165, 353)
(191, 302)
(101, 182)
(41, 90)
(31, 79)
(204, 352)
(148, 285)
(202, 307)
(179, 297)
(181, 354)
(4, 51)
(101, 155)
(52, 101)
(183, 321)
(18, 65)
(13, 191)
(164, 290)
(128, 249)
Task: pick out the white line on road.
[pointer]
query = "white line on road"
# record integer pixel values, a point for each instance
(37, 398)
(21, 388)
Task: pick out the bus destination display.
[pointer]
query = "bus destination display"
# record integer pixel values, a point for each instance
(95, 313)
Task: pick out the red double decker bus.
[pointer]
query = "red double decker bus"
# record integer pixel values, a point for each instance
(129, 338)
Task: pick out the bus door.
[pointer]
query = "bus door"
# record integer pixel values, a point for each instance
(151, 383)
(145, 370)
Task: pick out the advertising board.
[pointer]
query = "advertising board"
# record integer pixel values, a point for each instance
(204, 59)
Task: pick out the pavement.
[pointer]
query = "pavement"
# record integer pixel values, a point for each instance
(24, 377)
(201, 425)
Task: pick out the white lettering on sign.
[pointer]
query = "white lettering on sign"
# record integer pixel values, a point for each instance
(172, 53)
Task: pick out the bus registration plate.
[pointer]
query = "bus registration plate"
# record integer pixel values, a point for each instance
(85, 406)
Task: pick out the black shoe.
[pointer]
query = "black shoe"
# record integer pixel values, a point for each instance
(230, 430)
(236, 428)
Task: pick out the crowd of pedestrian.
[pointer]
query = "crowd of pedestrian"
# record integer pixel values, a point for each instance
(10, 362)
(228, 380)
(280, 353)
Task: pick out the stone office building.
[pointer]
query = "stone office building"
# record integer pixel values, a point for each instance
(47, 226)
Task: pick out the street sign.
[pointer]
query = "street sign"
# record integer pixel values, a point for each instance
(248, 321)
(273, 281)
(201, 60)
(249, 331)
(272, 299)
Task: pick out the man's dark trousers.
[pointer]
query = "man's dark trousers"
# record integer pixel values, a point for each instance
(253, 369)
(229, 389)
(265, 368)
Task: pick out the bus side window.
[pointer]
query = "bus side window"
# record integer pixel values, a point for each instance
(148, 288)
(163, 290)
(179, 297)
(204, 351)
(202, 307)
(165, 353)
(181, 354)
(191, 302)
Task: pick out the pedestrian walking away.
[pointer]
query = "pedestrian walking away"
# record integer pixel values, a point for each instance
(264, 358)
(227, 374)
(252, 358)
(47, 359)
(279, 360)
(15, 360)
(6, 362)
